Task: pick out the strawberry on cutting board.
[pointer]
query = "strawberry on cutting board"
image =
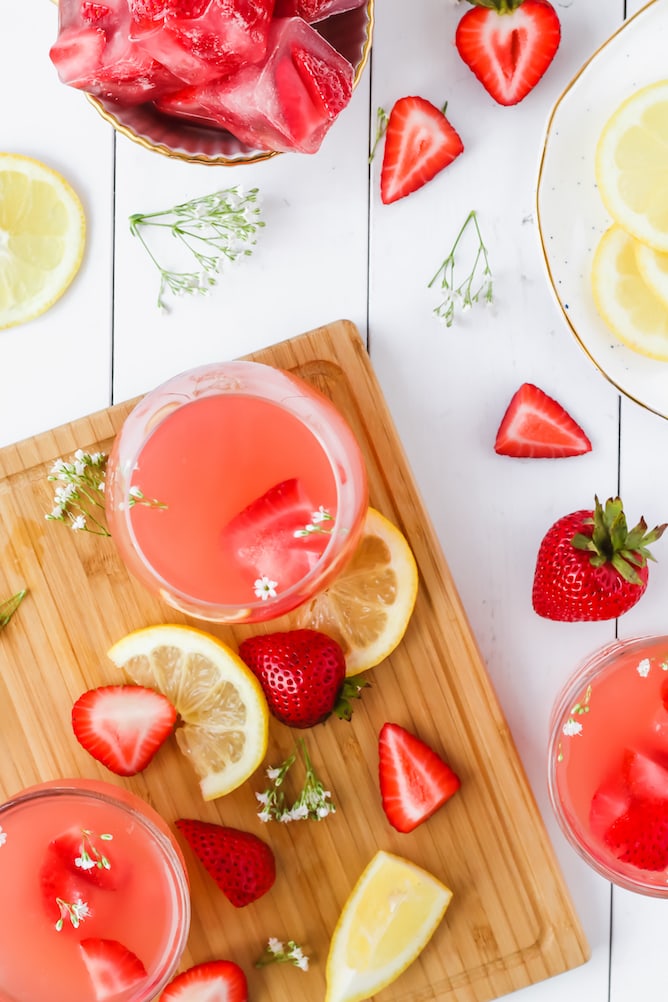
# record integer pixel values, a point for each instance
(242, 864)
(414, 779)
(122, 726)
(302, 674)
(212, 981)
(535, 426)
(508, 44)
(419, 143)
(590, 566)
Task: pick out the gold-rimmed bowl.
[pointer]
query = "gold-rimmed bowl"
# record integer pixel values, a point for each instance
(349, 33)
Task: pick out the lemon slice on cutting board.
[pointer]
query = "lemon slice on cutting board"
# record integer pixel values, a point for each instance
(631, 165)
(368, 607)
(42, 238)
(224, 718)
(627, 304)
(390, 916)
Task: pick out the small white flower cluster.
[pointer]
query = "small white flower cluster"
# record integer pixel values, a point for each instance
(90, 856)
(474, 288)
(214, 230)
(265, 588)
(3, 836)
(318, 517)
(313, 803)
(277, 952)
(74, 912)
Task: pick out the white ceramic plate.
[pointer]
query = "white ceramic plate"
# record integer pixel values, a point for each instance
(571, 216)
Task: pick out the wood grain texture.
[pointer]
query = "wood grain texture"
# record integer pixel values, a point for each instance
(511, 922)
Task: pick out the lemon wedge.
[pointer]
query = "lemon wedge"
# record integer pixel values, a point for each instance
(631, 165)
(368, 607)
(223, 713)
(390, 916)
(42, 237)
(626, 303)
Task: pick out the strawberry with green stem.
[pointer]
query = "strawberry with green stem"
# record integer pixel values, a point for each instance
(591, 566)
(508, 45)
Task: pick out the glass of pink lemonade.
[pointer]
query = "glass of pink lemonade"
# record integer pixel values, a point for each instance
(95, 895)
(261, 491)
(608, 763)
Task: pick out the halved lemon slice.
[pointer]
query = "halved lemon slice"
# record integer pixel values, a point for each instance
(653, 267)
(42, 236)
(390, 916)
(224, 718)
(626, 303)
(631, 165)
(368, 607)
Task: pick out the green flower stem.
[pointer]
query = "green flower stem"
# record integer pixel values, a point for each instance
(9, 607)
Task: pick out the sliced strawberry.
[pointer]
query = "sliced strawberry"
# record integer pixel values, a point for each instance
(215, 981)
(262, 537)
(419, 143)
(89, 856)
(113, 969)
(536, 426)
(508, 45)
(93, 13)
(645, 777)
(242, 864)
(77, 53)
(609, 803)
(414, 780)
(123, 726)
(640, 836)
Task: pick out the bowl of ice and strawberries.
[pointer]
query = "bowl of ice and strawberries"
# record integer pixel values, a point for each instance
(216, 81)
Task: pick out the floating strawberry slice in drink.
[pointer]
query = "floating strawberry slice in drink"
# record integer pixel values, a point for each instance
(645, 776)
(113, 969)
(64, 893)
(89, 856)
(262, 540)
(640, 836)
(608, 804)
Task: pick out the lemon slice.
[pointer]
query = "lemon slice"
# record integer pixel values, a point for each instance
(631, 165)
(389, 918)
(368, 607)
(42, 236)
(223, 713)
(624, 300)
(653, 267)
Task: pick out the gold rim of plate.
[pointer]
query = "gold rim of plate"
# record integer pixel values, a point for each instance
(228, 160)
(548, 131)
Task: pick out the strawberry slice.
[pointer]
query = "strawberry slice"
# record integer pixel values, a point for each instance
(113, 969)
(419, 143)
(414, 780)
(262, 537)
(536, 426)
(645, 776)
(242, 864)
(122, 726)
(640, 836)
(89, 856)
(508, 45)
(215, 980)
(65, 895)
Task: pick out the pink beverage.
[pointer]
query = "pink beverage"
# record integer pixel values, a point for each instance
(608, 763)
(95, 896)
(261, 485)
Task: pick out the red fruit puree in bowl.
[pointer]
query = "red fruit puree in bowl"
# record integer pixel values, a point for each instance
(608, 763)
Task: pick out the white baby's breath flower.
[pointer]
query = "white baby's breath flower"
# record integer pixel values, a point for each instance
(265, 588)
(572, 727)
(276, 952)
(275, 946)
(3, 836)
(643, 668)
(78, 523)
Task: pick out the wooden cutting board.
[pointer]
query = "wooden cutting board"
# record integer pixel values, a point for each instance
(511, 922)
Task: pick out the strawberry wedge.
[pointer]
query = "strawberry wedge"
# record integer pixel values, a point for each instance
(419, 143)
(212, 981)
(113, 969)
(535, 426)
(414, 780)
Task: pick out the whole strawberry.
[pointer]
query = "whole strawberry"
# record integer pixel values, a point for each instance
(242, 864)
(302, 674)
(590, 566)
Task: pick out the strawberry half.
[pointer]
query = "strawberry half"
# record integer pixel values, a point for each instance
(414, 780)
(640, 836)
(216, 981)
(419, 143)
(242, 864)
(302, 674)
(122, 726)
(508, 45)
(590, 566)
(113, 969)
(536, 426)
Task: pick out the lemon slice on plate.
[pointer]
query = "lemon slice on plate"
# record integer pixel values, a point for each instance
(632, 165)
(42, 237)
(368, 607)
(653, 267)
(223, 714)
(390, 916)
(624, 300)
